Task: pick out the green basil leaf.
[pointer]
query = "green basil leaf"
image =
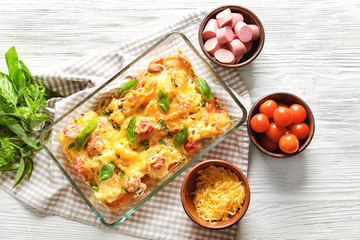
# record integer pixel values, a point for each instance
(4, 142)
(12, 61)
(29, 167)
(83, 137)
(128, 86)
(7, 89)
(180, 136)
(26, 72)
(163, 101)
(9, 167)
(204, 88)
(20, 172)
(121, 174)
(131, 130)
(71, 146)
(106, 172)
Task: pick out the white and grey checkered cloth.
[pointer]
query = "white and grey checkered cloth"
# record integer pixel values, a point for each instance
(162, 217)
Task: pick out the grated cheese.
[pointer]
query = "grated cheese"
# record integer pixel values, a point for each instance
(219, 194)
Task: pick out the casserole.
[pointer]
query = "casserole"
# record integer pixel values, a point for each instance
(166, 46)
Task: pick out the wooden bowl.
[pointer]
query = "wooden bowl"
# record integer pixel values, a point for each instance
(249, 18)
(288, 99)
(189, 186)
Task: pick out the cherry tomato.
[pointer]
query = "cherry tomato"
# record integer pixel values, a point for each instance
(280, 104)
(268, 107)
(299, 113)
(268, 144)
(289, 143)
(259, 123)
(274, 132)
(301, 130)
(283, 116)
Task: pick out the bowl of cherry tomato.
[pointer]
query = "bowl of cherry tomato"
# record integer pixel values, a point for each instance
(281, 125)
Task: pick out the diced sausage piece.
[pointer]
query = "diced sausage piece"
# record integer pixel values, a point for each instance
(255, 32)
(102, 123)
(248, 46)
(154, 68)
(158, 164)
(191, 147)
(224, 17)
(237, 47)
(95, 145)
(243, 31)
(79, 166)
(211, 45)
(224, 35)
(237, 17)
(225, 56)
(210, 29)
(175, 130)
(146, 128)
(238, 58)
(132, 183)
(213, 106)
(71, 131)
(141, 82)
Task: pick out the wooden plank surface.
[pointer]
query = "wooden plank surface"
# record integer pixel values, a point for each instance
(311, 50)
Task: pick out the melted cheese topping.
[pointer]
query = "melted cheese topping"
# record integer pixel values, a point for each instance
(154, 153)
(219, 194)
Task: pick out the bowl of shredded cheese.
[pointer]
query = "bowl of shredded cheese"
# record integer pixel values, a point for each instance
(215, 194)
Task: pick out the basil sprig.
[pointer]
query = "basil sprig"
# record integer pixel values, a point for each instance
(204, 88)
(131, 130)
(163, 101)
(128, 86)
(85, 134)
(180, 136)
(106, 172)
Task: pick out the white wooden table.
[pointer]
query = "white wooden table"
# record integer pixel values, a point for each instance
(312, 49)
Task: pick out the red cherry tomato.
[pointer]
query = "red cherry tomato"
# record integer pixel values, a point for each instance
(268, 107)
(259, 123)
(289, 143)
(299, 113)
(280, 104)
(274, 132)
(283, 116)
(301, 130)
(268, 144)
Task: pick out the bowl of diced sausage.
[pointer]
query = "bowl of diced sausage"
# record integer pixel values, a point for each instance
(231, 36)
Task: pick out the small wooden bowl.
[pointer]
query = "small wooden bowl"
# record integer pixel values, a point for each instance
(189, 186)
(249, 18)
(288, 99)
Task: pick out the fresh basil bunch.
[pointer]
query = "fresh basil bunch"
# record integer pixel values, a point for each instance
(21, 105)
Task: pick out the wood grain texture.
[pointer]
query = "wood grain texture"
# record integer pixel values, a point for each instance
(311, 49)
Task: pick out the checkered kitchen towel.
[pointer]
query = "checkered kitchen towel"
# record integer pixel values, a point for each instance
(162, 217)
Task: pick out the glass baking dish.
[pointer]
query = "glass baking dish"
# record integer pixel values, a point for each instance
(168, 45)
